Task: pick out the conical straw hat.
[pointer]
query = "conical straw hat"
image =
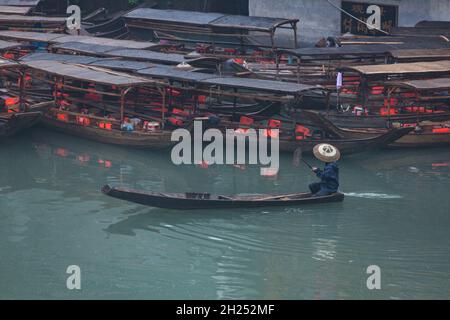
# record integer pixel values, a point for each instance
(327, 153)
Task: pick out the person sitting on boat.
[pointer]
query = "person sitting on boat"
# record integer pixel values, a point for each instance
(329, 176)
(127, 125)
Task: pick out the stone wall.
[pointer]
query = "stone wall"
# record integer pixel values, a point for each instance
(319, 19)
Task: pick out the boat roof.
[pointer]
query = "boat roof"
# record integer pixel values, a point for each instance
(423, 85)
(87, 73)
(14, 10)
(178, 16)
(86, 48)
(259, 84)
(152, 56)
(29, 36)
(442, 66)
(67, 58)
(106, 42)
(31, 19)
(208, 19)
(63, 39)
(166, 72)
(250, 23)
(6, 45)
(27, 3)
(421, 54)
(348, 50)
(8, 64)
(433, 24)
(367, 50)
(124, 65)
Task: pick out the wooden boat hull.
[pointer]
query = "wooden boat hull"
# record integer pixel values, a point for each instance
(351, 121)
(411, 140)
(347, 146)
(13, 124)
(157, 140)
(191, 202)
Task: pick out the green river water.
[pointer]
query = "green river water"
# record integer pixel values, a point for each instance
(53, 215)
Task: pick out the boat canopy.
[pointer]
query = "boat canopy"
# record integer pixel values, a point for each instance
(88, 73)
(401, 68)
(144, 55)
(6, 45)
(65, 39)
(29, 36)
(424, 85)
(31, 19)
(66, 58)
(420, 54)
(258, 84)
(19, 3)
(14, 10)
(369, 51)
(85, 48)
(107, 42)
(124, 65)
(4, 64)
(338, 52)
(171, 73)
(209, 19)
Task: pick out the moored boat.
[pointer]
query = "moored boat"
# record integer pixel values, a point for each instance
(14, 123)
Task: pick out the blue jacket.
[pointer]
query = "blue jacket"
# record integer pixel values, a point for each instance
(329, 177)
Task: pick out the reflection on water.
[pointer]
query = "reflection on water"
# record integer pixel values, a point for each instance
(52, 215)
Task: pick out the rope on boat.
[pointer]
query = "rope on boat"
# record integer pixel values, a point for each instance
(359, 20)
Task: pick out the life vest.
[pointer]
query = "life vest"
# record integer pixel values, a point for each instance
(175, 121)
(62, 117)
(83, 158)
(12, 104)
(180, 112)
(245, 122)
(201, 99)
(390, 102)
(85, 121)
(441, 130)
(378, 90)
(105, 125)
(418, 110)
(61, 152)
(388, 112)
(302, 132)
(274, 127)
(9, 56)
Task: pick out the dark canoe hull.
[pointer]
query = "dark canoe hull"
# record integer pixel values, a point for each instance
(347, 146)
(351, 121)
(156, 141)
(14, 124)
(182, 202)
(411, 140)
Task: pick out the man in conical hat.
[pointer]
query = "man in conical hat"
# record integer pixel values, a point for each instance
(329, 176)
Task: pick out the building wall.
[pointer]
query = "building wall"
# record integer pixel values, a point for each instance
(319, 19)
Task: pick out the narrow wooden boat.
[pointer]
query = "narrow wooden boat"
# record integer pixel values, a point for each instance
(157, 140)
(197, 201)
(374, 121)
(429, 134)
(13, 124)
(346, 146)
